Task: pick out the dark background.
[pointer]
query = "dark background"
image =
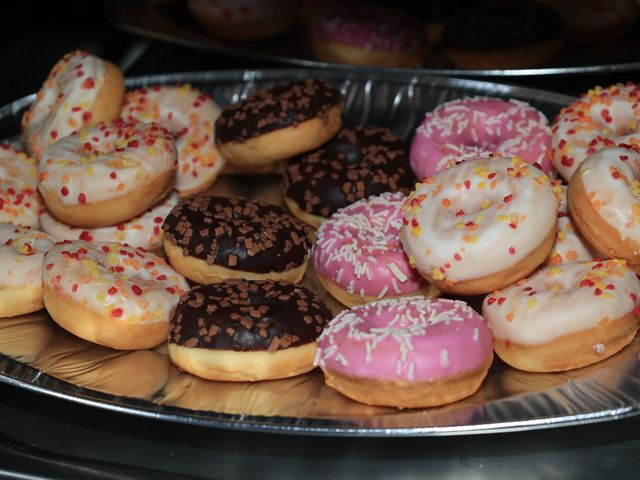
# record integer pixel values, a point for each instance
(41, 437)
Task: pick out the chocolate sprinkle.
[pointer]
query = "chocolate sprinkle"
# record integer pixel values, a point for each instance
(248, 316)
(244, 235)
(276, 108)
(355, 164)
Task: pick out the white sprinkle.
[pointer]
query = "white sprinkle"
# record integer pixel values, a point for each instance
(383, 292)
(394, 284)
(397, 272)
(476, 334)
(410, 371)
(599, 348)
(444, 358)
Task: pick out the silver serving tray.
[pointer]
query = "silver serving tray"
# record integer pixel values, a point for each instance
(171, 22)
(37, 355)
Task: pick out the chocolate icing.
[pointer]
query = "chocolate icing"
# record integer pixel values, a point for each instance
(239, 234)
(244, 315)
(276, 108)
(501, 24)
(355, 164)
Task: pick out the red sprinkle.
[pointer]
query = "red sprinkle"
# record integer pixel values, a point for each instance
(88, 83)
(117, 312)
(64, 191)
(112, 291)
(82, 198)
(49, 266)
(491, 300)
(136, 289)
(508, 198)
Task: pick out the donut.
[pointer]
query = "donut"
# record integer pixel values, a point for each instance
(479, 127)
(565, 316)
(243, 20)
(503, 35)
(369, 35)
(358, 257)
(600, 118)
(110, 294)
(408, 352)
(20, 201)
(603, 202)
(21, 254)
(105, 175)
(209, 239)
(570, 245)
(480, 225)
(278, 123)
(595, 22)
(81, 90)
(189, 115)
(247, 330)
(356, 163)
(144, 231)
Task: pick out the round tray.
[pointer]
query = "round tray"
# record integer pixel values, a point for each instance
(37, 355)
(172, 22)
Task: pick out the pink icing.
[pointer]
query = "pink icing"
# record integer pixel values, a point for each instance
(410, 339)
(479, 127)
(359, 248)
(371, 28)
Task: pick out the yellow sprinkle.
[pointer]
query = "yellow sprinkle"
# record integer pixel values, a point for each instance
(485, 204)
(469, 239)
(502, 218)
(482, 185)
(531, 303)
(415, 231)
(100, 297)
(437, 274)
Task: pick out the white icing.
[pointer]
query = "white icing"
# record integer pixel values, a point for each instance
(561, 300)
(125, 283)
(615, 196)
(19, 197)
(21, 253)
(105, 162)
(65, 101)
(144, 231)
(190, 116)
(461, 233)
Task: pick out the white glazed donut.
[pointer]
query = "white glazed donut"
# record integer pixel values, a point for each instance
(144, 231)
(604, 202)
(570, 245)
(600, 118)
(81, 90)
(104, 175)
(20, 201)
(565, 316)
(21, 253)
(480, 225)
(190, 116)
(111, 294)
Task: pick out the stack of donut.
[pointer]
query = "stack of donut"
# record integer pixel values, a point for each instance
(556, 263)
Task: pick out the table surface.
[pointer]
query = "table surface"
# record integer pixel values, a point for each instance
(42, 437)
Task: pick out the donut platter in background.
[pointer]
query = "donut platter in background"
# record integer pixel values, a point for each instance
(330, 253)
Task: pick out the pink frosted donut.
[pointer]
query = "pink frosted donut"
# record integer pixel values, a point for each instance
(358, 256)
(408, 352)
(480, 127)
(369, 35)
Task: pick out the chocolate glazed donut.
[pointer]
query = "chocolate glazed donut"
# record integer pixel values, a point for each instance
(356, 163)
(279, 123)
(212, 238)
(243, 330)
